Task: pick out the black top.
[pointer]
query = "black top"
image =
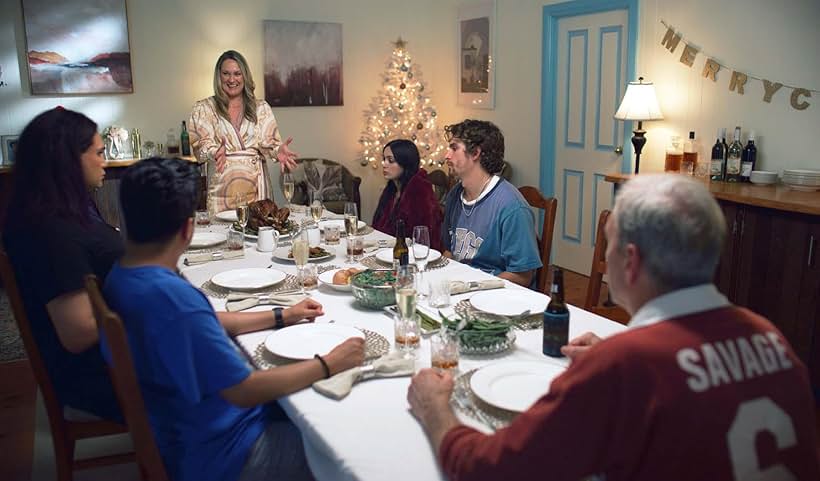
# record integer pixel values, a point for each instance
(51, 257)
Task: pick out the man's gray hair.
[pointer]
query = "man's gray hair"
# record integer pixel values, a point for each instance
(676, 225)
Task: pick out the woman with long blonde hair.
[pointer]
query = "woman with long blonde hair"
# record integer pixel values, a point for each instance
(237, 135)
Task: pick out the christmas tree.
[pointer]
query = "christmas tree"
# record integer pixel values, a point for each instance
(402, 111)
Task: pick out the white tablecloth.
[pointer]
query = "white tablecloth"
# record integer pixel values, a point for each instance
(370, 434)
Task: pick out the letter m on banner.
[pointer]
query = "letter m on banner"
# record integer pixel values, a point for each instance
(671, 40)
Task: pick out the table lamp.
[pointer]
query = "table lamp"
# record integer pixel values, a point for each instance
(639, 103)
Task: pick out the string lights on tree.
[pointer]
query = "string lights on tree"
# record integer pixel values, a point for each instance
(402, 110)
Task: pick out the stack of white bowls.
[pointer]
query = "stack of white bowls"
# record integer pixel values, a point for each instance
(763, 177)
(802, 179)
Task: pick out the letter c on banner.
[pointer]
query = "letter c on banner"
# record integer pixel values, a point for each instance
(796, 93)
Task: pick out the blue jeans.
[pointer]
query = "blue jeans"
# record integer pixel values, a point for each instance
(278, 453)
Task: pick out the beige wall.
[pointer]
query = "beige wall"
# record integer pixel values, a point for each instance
(174, 45)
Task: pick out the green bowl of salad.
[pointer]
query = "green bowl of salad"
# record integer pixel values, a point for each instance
(373, 288)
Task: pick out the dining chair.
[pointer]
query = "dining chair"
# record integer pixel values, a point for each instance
(596, 276)
(64, 432)
(534, 197)
(124, 378)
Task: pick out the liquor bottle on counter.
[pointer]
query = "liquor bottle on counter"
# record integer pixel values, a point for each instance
(717, 169)
(136, 143)
(725, 150)
(674, 155)
(690, 155)
(733, 157)
(556, 318)
(748, 158)
(401, 254)
(185, 140)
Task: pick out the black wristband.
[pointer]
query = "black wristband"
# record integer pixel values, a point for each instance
(324, 365)
(280, 318)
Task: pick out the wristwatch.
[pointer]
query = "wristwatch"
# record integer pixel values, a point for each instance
(280, 318)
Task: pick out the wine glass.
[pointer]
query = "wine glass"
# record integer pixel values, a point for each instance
(316, 206)
(421, 250)
(351, 219)
(241, 212)
(300, 250)
(288, 186)
(407, 334)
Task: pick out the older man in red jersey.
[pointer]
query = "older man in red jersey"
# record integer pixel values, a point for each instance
(696, 388)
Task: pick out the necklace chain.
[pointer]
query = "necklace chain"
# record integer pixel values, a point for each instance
(472, 207)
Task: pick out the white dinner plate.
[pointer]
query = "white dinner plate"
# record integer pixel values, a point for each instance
(207, 239)
(303, 341)
(326, 278)
(227, 216)
(386, 256)
(514, 385)
(251, 278)
(340, 223)
(509, 302)
(282, 255)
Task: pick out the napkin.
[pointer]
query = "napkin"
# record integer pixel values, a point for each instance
(460, 287)
(389, 365)
(374, 245)
(193, 259)
(240, 302)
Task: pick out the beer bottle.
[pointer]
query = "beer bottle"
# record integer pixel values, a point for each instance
(556, 318)
(185, 140)
(401, 253)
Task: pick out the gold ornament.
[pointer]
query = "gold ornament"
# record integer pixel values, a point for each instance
(403, 86)
(419, 126)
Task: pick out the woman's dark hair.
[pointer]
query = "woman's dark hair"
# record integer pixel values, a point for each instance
(406, 154)
(158, 196)
(480, 134)
(48, 173)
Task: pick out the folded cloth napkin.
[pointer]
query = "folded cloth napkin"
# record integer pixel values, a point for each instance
(240, 302)
(193, 259)
(379, 244)
(389, 365)
(460, 287)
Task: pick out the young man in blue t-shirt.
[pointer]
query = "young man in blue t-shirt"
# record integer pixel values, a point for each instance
(487, 223)
(206, 406)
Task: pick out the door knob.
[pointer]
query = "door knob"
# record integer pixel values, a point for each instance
(619, 150)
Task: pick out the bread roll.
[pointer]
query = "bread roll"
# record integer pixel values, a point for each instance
(342, 276)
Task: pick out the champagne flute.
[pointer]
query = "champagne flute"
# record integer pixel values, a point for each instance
(316, 207)
(407, 334)
(351, 219)
(241, 212)
(288, 186)
(421, 250)
(300, 251)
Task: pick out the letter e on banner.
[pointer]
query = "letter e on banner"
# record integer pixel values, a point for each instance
(670, 40)
(710, 69)
(687, 57)
(738, 81)
(796, 93)
(771, 88)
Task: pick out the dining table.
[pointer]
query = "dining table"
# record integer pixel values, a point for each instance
(371, 433)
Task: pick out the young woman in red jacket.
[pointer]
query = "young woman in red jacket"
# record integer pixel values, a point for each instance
(408, 195)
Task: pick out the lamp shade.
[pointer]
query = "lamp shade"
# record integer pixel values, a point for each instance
(639, 102)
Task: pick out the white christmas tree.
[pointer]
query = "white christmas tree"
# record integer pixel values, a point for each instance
(402, 111)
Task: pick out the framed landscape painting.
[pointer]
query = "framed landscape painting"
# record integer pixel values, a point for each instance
(77, 47)
(303, 63)
(476, 43)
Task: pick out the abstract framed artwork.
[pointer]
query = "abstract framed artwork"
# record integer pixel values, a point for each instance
(9, 148)
(303, 64)
(476, 47)
(77, 47)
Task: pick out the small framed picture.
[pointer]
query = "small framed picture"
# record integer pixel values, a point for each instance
(476, 43)
(9, 146)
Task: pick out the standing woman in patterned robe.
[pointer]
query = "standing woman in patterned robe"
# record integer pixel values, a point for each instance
(237, 135)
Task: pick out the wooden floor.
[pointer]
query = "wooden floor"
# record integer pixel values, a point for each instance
(18, 392)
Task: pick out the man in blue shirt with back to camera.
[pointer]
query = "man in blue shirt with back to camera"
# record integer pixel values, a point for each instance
(487, 222)
(212, 415)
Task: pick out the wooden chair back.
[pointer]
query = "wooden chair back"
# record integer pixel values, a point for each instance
(596, 276)
(126, 386)
(64, 433)
(534, 197)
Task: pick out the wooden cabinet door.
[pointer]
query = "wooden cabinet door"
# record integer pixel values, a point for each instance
(723, 273)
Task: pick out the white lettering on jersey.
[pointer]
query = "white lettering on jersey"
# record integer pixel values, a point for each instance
(754, 417)
(465, 244)
(733, 360)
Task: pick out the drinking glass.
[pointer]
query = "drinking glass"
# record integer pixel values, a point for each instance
(288, 186)
(351, 218)
(300, 251)
(236, 240)
(203, 218)
(308, 276)
(316, 206)
(421, 250)
(241, 212)
(444, 350)
(332, 234)
(407, 332)
(439, 292)
(355, 248)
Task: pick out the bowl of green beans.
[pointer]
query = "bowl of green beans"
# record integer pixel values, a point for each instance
(373, 288)
(479, 336)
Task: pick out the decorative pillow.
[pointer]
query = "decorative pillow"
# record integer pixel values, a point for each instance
(327, 179)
